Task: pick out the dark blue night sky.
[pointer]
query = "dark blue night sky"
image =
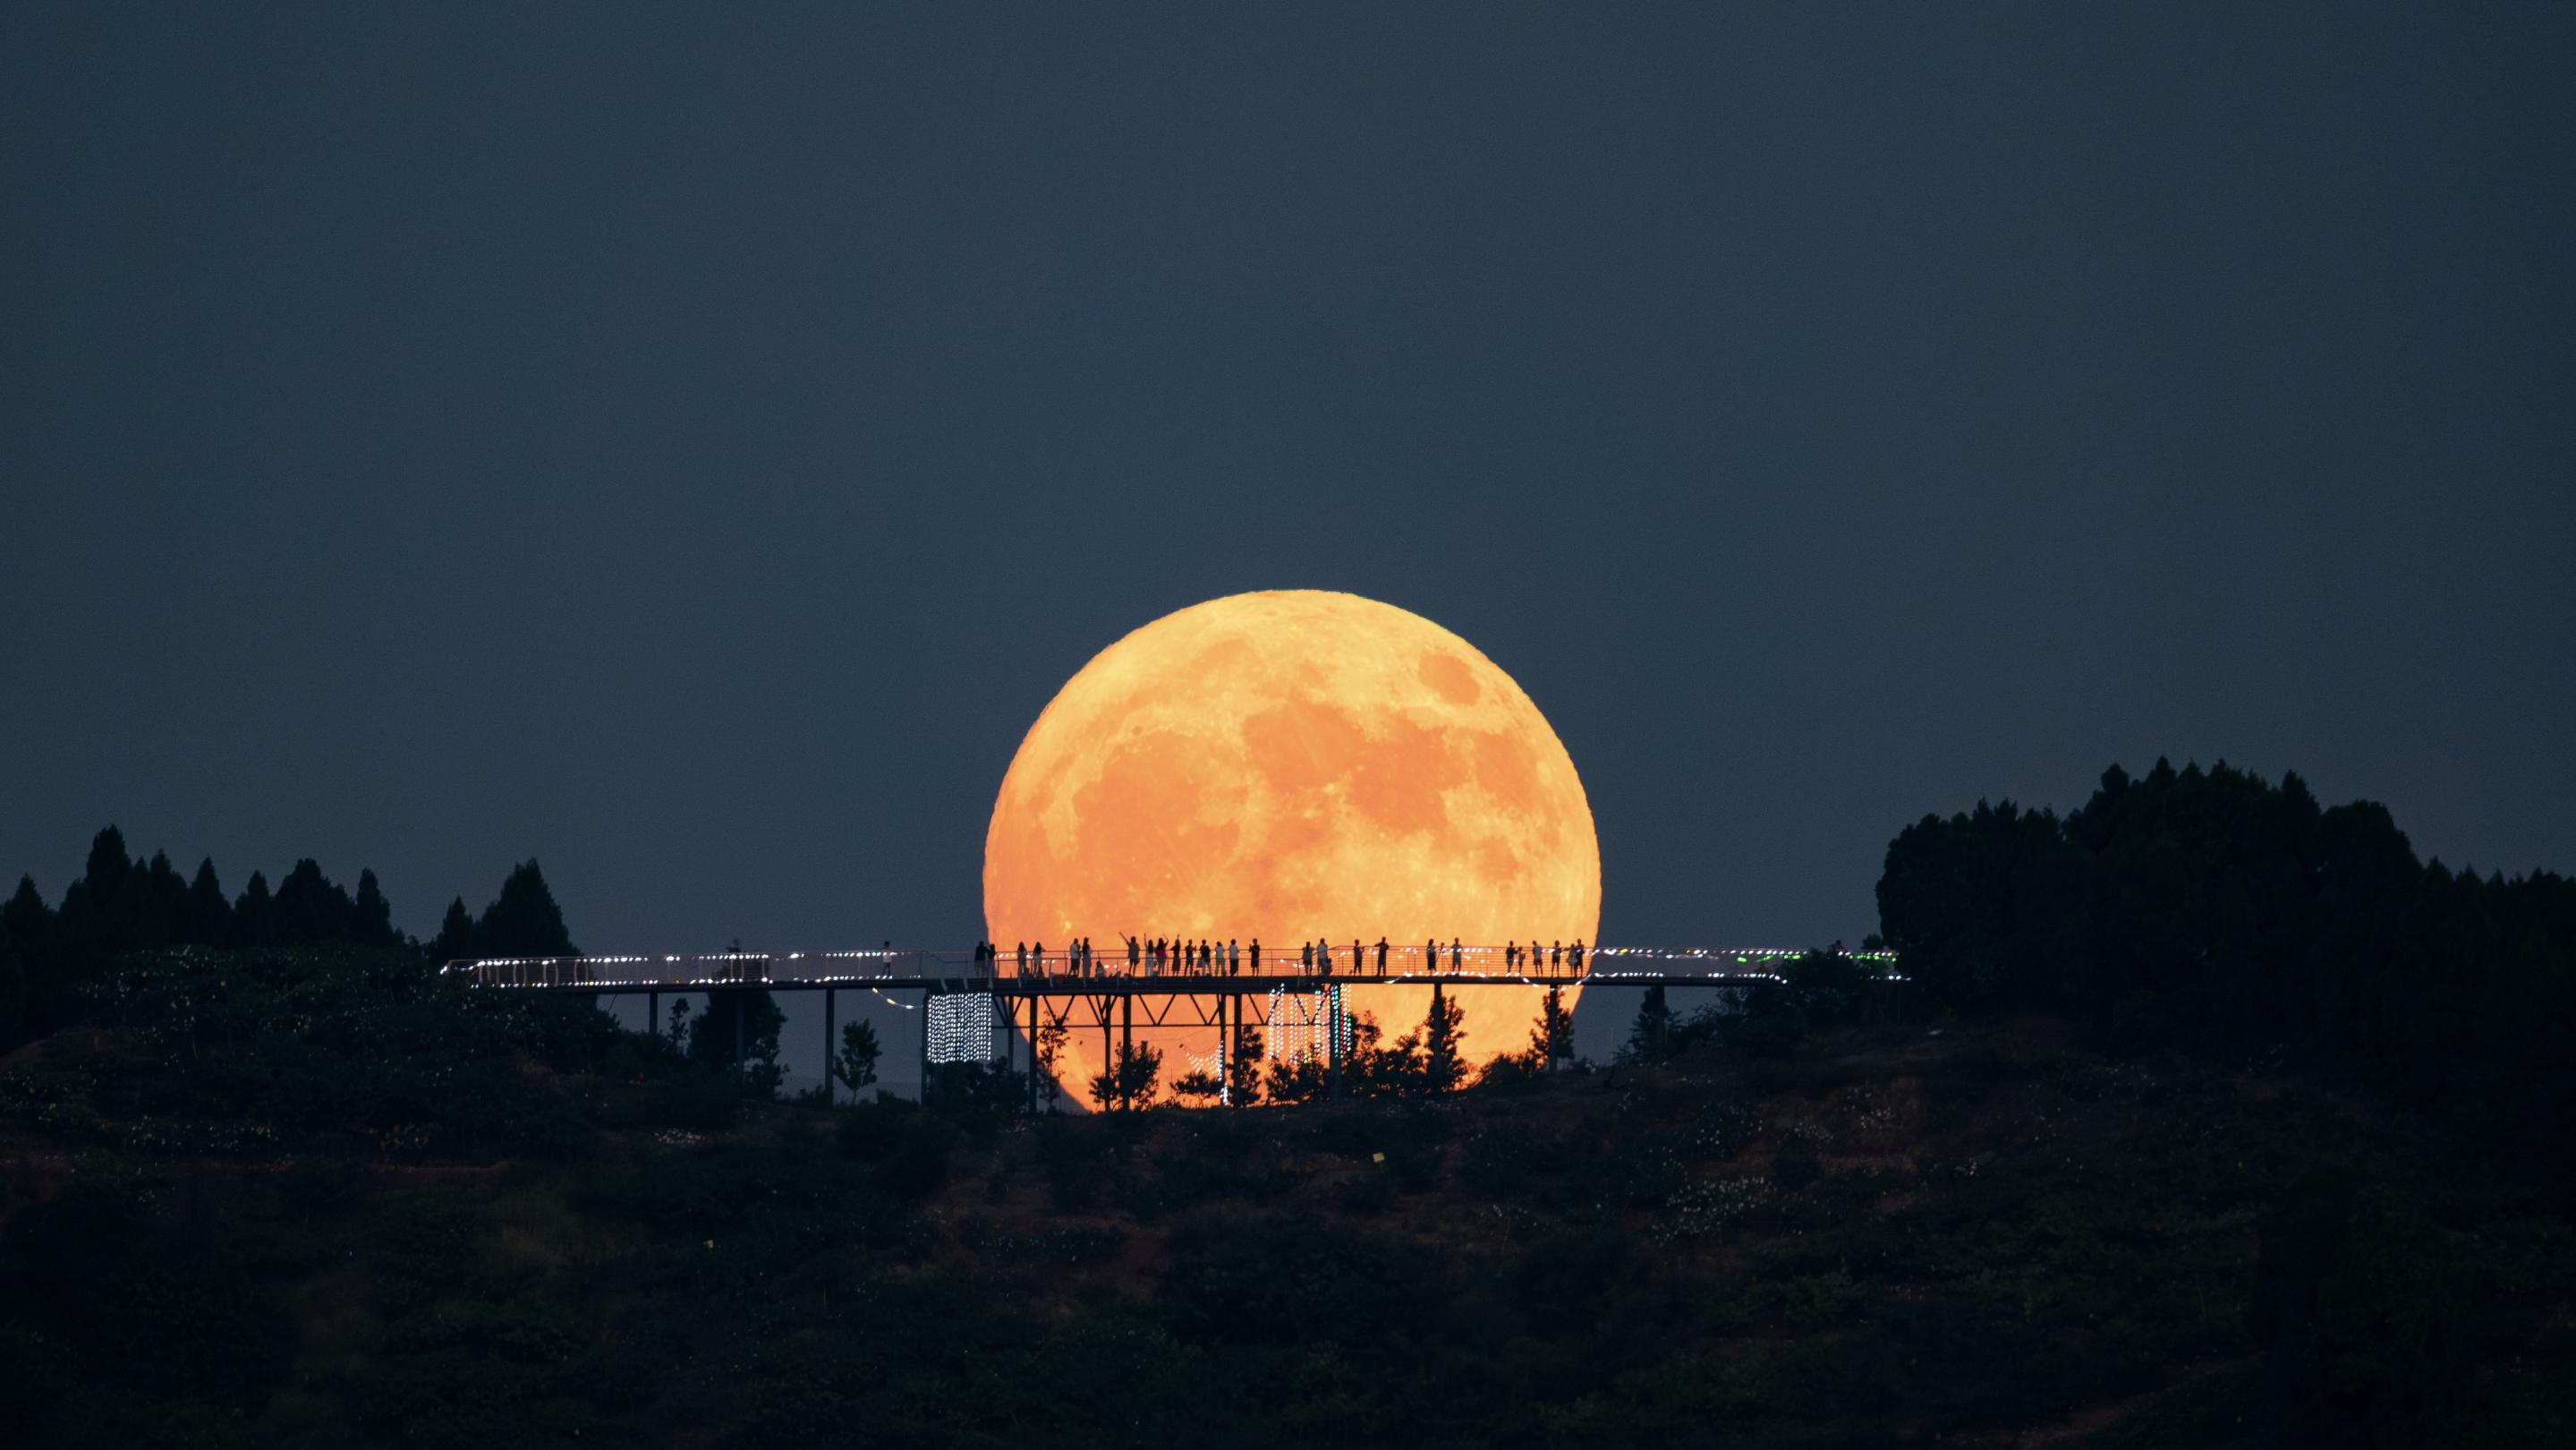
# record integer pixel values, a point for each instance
(690, 446)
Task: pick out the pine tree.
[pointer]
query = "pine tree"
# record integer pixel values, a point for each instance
(372, 920)
(1243, 1066)
(150, 904)
(28, 922)
(252, 912)
(13, 989)
(455, 939)
(1442, 1067)
(108, 864)
(132, 899)
(207, 918)
(75, 952)
(1552, 1040)
(524, 921)
(1651, 1037)
(310, 907)
(1050, 1046)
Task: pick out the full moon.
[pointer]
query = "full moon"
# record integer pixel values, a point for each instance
(1290, 766)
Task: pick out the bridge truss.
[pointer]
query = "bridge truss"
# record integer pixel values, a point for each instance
(1058, 990)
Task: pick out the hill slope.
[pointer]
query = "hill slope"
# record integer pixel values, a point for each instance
(1981, 1236)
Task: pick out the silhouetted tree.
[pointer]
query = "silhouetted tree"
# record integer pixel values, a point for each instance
(251, 911)
(13, 988)
(2210, 907)
(524, 921)
(1650, 1036)
(142, 908)
(1243, 1066)
(1050, 1046)
(1130, 1077)
(310, 908)
(1296, 1081)
(207, 918)
(107, 865)
(1552, 1040)
(856, 1064)
(455, 939)
(1442, 1066)
(1371, 1069)
(29, 924)
(372, 921)
(713, 1038)
(1200, 1085)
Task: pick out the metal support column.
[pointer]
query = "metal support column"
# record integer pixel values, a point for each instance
(1126, 1045)
(827, 1047)
(1108, 1038)
(741, 1010)
(925, 1045)
(1033, 1054)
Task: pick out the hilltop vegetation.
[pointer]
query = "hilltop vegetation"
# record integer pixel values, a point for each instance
(2071, 1185)
(2214, 910)
(525, 1233)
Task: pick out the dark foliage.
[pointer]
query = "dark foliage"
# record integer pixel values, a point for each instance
(2212, 908)
(119, 906)
(523, 921)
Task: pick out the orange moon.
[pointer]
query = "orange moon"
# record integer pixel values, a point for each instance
(1287, 766)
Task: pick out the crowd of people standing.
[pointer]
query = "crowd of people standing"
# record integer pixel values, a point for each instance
(1174, 956)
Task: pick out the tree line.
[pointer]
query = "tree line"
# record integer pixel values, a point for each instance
(50, 954)
(2216, 909)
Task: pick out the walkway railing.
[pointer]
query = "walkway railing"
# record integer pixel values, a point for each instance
(889, 964)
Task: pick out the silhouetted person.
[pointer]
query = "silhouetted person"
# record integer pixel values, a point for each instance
(1576, 959)
(1555, 956)
(1381, 956)
(1455, 955)
(1306, 957)
(1256, 956)
(1233, 960)
(1431, 956)
(1024, 959)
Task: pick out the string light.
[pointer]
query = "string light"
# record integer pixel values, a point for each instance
(717, 969)
(1307, 1026)
(961, 1027)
